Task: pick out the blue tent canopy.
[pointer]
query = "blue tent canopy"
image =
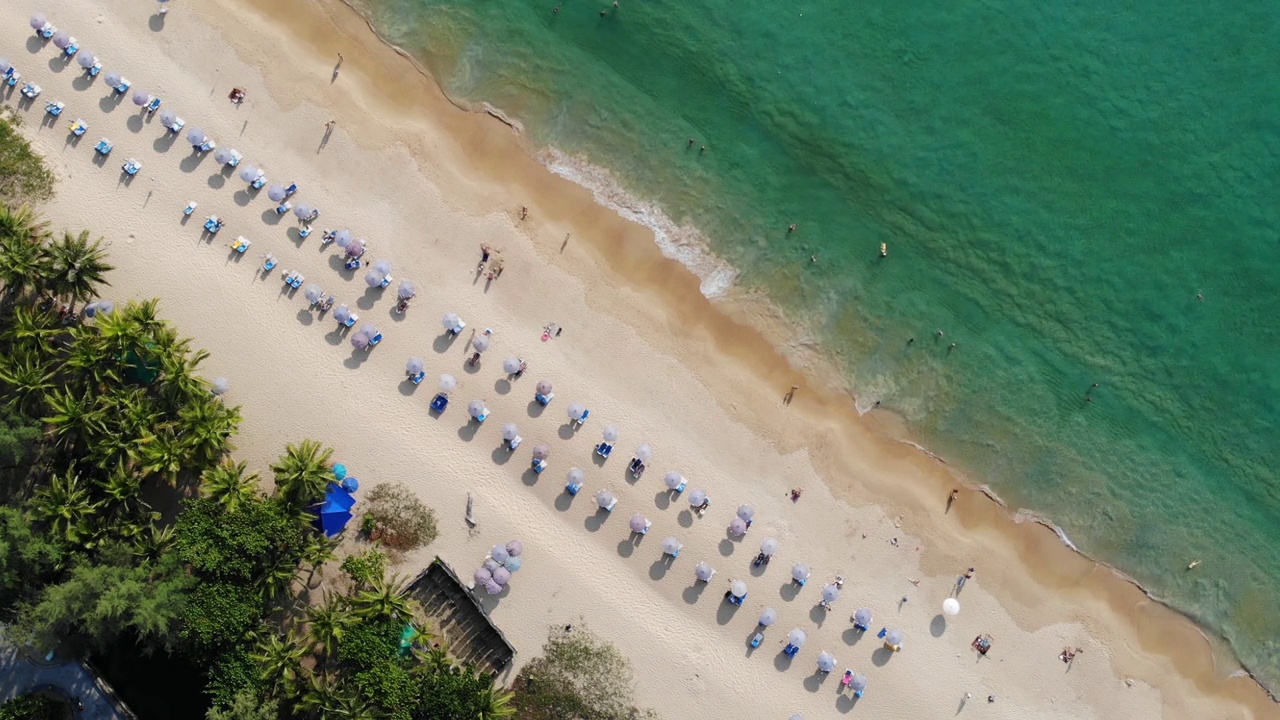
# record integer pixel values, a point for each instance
(335, 512)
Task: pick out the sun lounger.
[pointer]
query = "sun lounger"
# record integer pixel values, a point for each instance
(385, 282)
(31, 90)
(190, 208)
(457, 329)
(94, 69)
(573, 488)
(296, 282)
(132, 167)
(213, 224)
(289, 191)
(304, 232)
(610, 506)
(241, 244)
(258, 182)
(539, 466)
(55, 108)
(756, 640)
(417, 377)
(154, 105)
(482, 418)
(791, 650)
(351, 321)
(79, 127)
(579, 422)
(801, 583)
(636, 468)
(604, 449)
(178, 124)
(514, 443)
(375, 339)
(11, 77)
(354, 264)
(123, 87)
(440, 402)
(544, 399)
(72, 49)
(206, 146)
(236, 157)
(46, 31)
(269, 264)
(283, 207)
(104, 147)
(328, 236)
(735, 600)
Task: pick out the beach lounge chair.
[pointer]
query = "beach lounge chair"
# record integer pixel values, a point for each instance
(847, 680)
(354, 264)
(190, 208)
(104, 147)
(544, 399)
(241, 244)
(259, 181)
(439, 402)
(47, 31)
(132, 166)
(539, 466)
(55, 108)
(31, 90)
(757, 639)
(457, 329)
(283, 208)
(328, 237)
(73, 48)
(801, 583)
(154, 105)
(604, 449)
(270, 263)
(297, 281)
(304, 232)
(791, 650)
(328, 303)
(213, 224)
(206, 146)
(236, 157)
(375, 339)
(79, 127)
(123, 87)
(513, 443)
(610, 506)
(178, 124)
(289, 191)
(11, 77)
(94, 69)
(385, 282)
(351, 321)
(417, 377)
(636, 468)
(580, 421)
(573, 488)
(735, 600)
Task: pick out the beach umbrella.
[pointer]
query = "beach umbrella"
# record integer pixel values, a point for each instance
(476, 408)
(343, 242)
(304, 212)
(195, 136)
(221, 155)
(541, 451)
(415, 365)
(113, 78)
(501, 576)
(480, 343)
(515, 548)
(248, 173)
(313, 293)
(168, 117)
(831, 593)
(858, 683)
(360, 340)
(797, 637)
(604, 498)
(407, 290)
(797, 716)
(492, 588)
(673, 480)
(373, 278)
(499, 553)
(610, 433)
(644, 452)
(768, 617)
(38, 21)
(450, 321)
(769, 547)
(638, 523)
(340, 471)
(826, 662)
(510, 431)
(490, 564)
(576, 476)
(511, 365)
(575, 410)
(746, 512)
(671, 546)
(893, 637)
(738, 589)
(482, 576)
(697, 497)
(799, 572)
(343, 238)
(863, 617)
(513, 564)
(342, 314)
(4, 65)
(277, 192)
(383, 266)
(221, 386)
(704, 571)
(737, 527)
(86, 59)
(369, 329)
(101, 307)
(350, 484)
(447, 383)
(544, 387)
(62, 39)
(951, 607)
(356, 248)
(141, 97)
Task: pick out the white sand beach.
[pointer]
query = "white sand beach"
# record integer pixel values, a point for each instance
(425, 184)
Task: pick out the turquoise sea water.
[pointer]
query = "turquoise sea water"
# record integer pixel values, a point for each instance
(1056, 183)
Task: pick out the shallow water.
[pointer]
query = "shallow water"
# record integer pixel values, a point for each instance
(1055, 185)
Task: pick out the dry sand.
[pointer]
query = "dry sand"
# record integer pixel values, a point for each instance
(425, 183)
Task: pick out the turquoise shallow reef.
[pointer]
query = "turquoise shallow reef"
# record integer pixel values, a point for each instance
(1056, 182)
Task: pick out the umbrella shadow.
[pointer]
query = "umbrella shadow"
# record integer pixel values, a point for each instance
(626, 548)
(110, 102)
(782, 662)
(125, 179)
(443, 342)
(191, 162)
(156, 22)
(501, 455)
(851, 636)
(660, 567)
(789, 591)
(467, 432)
(597, 459)
(369, 298)
(685, 518)
(101, 161)
(73, 140)
(334, 337)
(471, 368)
(596, 521)
(727, 547)
(217, 181)
(564, 501)
(726, 611)
(269, 216)
(530, 477)
(881, 656)
(846, 703)
(356, 359)
(163, 143)
(758, 570)
(83, 82)
(407, 387)
(134, 123)
(662, 499)
(36, 43)
(818, 615)
(693, 593)
(502, 386)
(60, 62)
(243, 197)
(938, 625)
(304, 315)
(565, 431)
(814, 682)
(535, 409)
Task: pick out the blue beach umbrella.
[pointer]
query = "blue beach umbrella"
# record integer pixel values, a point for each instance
(340, 471)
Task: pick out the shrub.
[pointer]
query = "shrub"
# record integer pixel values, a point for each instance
(24, 177)
(366, 568)
(370, 643)
(34, 707)
(403, 521)
(578, 676)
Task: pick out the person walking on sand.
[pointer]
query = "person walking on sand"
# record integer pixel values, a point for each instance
(960, 581)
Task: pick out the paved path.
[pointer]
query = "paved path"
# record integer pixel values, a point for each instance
(18, 675)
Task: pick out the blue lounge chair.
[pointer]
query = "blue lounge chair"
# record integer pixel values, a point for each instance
(882, 633)
(604, 449)
(31, 91)
(73, 48)
(240, 244)
(539, 466)
(585, 414)
(47, 31)
(385, 282)
(213, 224)
(440, 402)
(417, 377)
(636, 468)
(258, 182)
(801, 583)
(154, 105)
(457, 329)
(860, 628)
(94, 69)
(236, 157)
(269, 264)
(544, 399)
(791, 650)
(483, 417)
(375, 339)
(123, 87)
(206, 146)
(79, 127)
(573, 488)
(513, 443)
(756, 639)
(351, 321)
(104, 147)
(296, 281)
(54, 108)
(289, 191)
(354, 264)
(132, 167)
(304, 232)
(190, 208)
(178, 124)
(735, 600)
(283, 207)
(11, 77)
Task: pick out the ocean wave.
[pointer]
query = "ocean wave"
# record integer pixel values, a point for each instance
(683, 243)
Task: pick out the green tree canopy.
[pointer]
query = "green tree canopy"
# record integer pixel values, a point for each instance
(239, 545)
(578, 676)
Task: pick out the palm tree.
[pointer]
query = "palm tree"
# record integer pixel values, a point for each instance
(387, 598)
(325, 700)
(280, 661)
(152, 544)
(303, 473)
(277, 579)
(22, 256)
(318, 551)
(123, 488)
(329, 622)
(162, 453)
(35, 330)
(229, 485)
(206, 427)
(66, 506)
(76, 267)
(74, 416)
(493, 703)
(26, 377)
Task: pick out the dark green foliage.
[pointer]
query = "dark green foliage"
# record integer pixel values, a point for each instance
(242, 545)
(28, 560)
(218, 615)
(34, 707)
(460, 693)
(390, 686)
(370, 643)
(23, 175)
(366, 568)
(579, 676)
(17, 440)
(247, 706)
(233, 673)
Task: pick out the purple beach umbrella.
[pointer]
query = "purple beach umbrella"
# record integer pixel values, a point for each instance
(62, 39)
(501, 576)
(86, 59)
(276, 192)
(483, 576)
(141, 97)
(38, 21)
(515, 548)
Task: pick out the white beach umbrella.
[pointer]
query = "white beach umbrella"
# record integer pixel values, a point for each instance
(511, 365)
(673, 480)
(697, 497)
(86, 59)
(768, 617)
(704, 571)
(746, 512)
(369, 329)
(450, 321)
(195, 136)
(863, 617)
(737, 527)
(304, 212)
(221, 386)
(610, 434)
(576, 410)
(343, 238)
(499, 553)
(644, 452)
(510, 431)
(769, 547)
(277, 192)
(415, 365)
(480, 343)
(4, 65)
(483, 575)
(476, 408)
(893, 637)
(831, 593)
(383, 266)
(826, 662)
(604, 498)
(342, 314)
(448, 383)
(638, 523)
(799, 572)
(169, 117)
(797, 716)
(360, 340)
(492, 588)
(738, 589)
(576, 476)
(62, 39)
(544, 387)
(671, 546)
(356, 248)
(406, 290)
(797, 637)
(541, 451)
(113, 78)
(858, 683)
(248, 173)
(951, 607)
(373, 278)
(222, 155)
(141, 97)
(314, 293)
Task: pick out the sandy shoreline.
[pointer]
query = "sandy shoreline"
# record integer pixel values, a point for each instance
(647, 325)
